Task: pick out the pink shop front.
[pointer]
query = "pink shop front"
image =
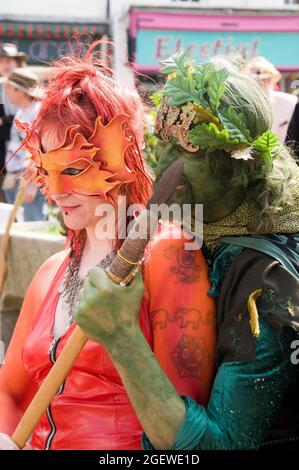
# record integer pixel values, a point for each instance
(156, 34)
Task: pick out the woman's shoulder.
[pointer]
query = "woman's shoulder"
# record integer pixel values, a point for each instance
(47, 271)
(54, 261)
(39, 287)
(174, 251)
(171, 236)
(52, 264)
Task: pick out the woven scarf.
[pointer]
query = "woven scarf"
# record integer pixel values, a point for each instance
(235, 224)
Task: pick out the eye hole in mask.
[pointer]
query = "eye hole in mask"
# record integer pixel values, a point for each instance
(72, 171)
(42, 171)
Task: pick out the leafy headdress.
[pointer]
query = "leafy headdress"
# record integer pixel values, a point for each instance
(193, 113)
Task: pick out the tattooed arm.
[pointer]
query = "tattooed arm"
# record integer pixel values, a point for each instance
(180, 314)
(181, 317)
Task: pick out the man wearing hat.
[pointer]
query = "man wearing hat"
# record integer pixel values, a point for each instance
(10, 58)
(21, 90)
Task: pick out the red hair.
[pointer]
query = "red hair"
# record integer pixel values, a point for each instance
(80, 89)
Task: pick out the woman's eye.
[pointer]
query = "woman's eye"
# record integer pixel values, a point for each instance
(72, 171)
(42, 171)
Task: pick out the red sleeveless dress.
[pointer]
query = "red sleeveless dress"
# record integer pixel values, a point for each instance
(92, 409)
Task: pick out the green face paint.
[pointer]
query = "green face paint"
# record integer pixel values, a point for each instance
(201, 186)
(204, 187)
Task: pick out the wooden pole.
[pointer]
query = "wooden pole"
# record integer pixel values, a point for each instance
(49, 387)
(6, 236)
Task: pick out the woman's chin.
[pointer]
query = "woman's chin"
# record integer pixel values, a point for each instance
(73, 223)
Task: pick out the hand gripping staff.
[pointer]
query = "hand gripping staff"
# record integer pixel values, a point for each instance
(121, 272)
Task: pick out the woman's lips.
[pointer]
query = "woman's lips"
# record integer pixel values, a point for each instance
(69, 208)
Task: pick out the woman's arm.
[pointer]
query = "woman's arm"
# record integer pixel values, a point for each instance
(181, 314)
(16, 387)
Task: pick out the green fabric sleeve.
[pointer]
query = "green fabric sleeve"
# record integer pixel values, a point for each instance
(244, 399)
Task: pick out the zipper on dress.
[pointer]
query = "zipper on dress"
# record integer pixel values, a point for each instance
(53, 429)
(52, 355)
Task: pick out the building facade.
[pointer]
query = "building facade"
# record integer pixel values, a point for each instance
(44, 29)
(147, 31)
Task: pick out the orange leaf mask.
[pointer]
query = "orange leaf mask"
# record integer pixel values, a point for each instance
(93, 166)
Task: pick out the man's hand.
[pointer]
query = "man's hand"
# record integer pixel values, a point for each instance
(107, 312)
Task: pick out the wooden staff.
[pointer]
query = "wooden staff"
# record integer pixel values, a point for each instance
(6, 236)
(121, 271)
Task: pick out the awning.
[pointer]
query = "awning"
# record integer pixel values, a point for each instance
(45, 30)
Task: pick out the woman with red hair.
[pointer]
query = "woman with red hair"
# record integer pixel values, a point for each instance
(85, 150)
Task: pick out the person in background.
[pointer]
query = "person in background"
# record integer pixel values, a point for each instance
(293, 133)
(21, 90)
(10, 58)
(283, 104)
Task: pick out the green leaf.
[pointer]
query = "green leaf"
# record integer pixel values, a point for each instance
(216, 88)
(234, 122)
(180, 90)
(178, 63)
(157, 97)
(201, 76)
(267, 145)
(208, 136)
